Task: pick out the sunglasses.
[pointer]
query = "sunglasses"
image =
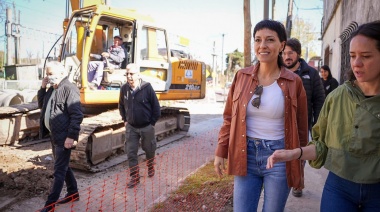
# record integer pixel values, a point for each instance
(257, 100)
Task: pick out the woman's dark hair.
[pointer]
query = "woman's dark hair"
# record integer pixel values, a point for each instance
(276, 26)
(327, 68)
(370, 30)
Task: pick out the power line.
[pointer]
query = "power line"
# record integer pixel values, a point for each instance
(40, 31)
(314, 8)
(35, 12)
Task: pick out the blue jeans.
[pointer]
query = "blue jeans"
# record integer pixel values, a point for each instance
(62, 173)
(343, 195)
(247, 189)
(95, 72)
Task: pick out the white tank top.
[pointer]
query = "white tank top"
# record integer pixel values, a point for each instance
(267, 122)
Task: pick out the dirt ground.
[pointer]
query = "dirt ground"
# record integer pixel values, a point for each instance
(26, 173)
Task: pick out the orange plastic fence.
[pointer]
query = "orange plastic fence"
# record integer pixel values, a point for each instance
(171, 168)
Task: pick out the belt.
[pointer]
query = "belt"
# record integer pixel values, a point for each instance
(252, 138)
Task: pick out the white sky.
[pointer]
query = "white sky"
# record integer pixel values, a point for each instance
(202, 21)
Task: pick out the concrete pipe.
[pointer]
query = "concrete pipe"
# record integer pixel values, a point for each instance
(10, 98)
(29, 96)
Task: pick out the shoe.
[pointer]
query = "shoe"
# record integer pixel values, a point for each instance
(151, 171)
(297, 192)
(134, 181)
(49, 208)
(68, 198)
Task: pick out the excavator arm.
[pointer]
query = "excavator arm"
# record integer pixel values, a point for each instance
(78, 4)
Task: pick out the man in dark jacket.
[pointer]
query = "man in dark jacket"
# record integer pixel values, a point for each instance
(140, 110)
(61, 116)
(311, 81)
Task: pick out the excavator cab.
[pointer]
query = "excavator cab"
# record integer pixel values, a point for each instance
(91, 31)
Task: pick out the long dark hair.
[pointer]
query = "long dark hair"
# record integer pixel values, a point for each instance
(327, 68)
(276, 26)
(370, 30)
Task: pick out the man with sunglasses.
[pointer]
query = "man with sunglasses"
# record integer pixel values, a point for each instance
(311, 82)
(140, 110)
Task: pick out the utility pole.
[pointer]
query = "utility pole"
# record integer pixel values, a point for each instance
(247, 33)
(214, 78)
(273, 8)
(289, 19)
(8, 33)
(16, 35)
(221, 65)
(266, 9)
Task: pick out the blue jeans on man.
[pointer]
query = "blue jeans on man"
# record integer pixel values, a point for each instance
(95, 72)
(62, 173)
(247, 189)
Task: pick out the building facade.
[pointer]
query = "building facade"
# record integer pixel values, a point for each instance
(340, 19)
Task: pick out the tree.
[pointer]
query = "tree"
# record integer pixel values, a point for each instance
(247, 33)
(29, 56)
(2, 62)
(235, 60)
(305, 32)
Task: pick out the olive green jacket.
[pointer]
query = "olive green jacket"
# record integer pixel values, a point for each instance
(347, 135)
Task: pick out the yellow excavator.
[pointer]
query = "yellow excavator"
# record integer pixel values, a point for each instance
(90, 30)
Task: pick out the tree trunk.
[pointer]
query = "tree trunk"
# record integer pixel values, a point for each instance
(247, 33)
(289, 19)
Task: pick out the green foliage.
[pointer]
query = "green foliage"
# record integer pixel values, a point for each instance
(2, 58)
(307, 34)
(204, 177)
(234, 60)
(236, 57)
(197, 190)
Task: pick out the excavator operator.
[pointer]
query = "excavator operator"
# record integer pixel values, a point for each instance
(111, 59)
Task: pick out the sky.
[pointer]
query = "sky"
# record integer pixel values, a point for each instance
(203, 22)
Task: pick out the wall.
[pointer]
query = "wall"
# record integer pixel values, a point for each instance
(331, 41)
(359, 11)
(338, 15)
(21, 72)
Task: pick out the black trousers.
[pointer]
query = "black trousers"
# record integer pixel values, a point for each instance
(62, 173)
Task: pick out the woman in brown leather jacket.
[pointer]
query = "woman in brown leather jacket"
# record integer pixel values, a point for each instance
(266, 110)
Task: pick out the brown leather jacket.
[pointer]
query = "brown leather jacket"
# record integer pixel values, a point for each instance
(232, 141)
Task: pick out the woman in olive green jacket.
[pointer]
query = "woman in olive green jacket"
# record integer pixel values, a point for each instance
(346, 137)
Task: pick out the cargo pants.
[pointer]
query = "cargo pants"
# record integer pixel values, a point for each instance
(133, 136)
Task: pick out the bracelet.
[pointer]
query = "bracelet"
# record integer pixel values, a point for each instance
(300, 154)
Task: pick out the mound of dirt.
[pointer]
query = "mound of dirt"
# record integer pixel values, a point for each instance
(23, 173)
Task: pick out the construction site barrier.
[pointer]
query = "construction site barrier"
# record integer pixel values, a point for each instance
(160, 192)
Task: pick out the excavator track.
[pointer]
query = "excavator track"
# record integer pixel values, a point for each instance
(101, 140)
